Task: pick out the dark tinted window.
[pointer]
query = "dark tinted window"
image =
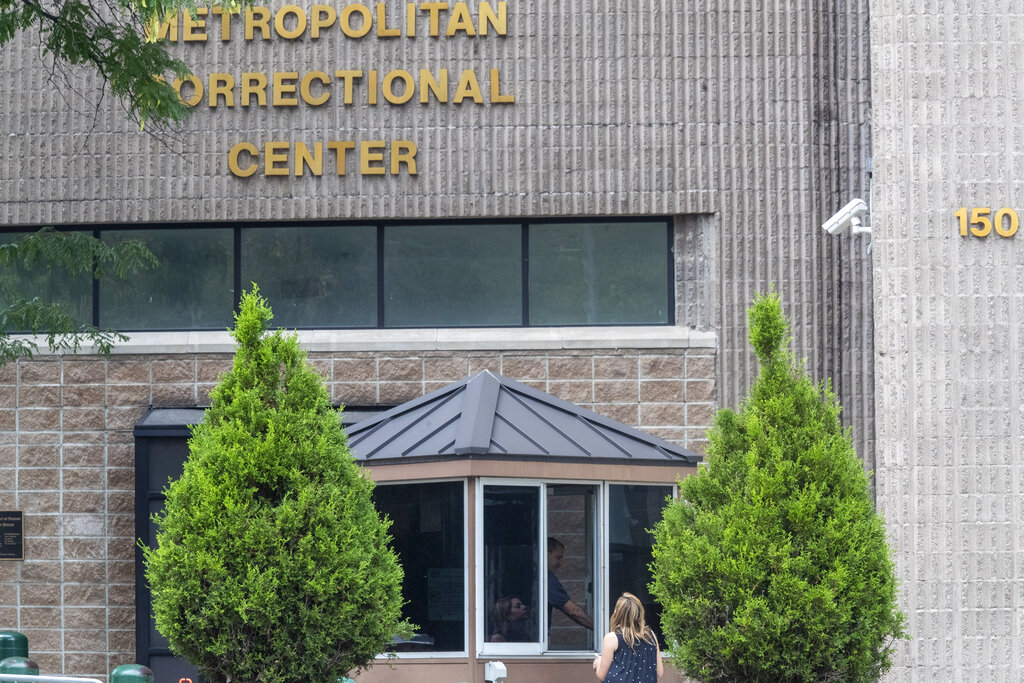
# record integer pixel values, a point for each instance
(428, 532)
(314, 276)
(453, 275)
(192, 289)
(599, 273)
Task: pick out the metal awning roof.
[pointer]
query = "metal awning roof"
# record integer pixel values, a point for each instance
(489, 416)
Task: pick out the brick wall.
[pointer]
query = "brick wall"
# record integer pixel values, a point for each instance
(67, 460)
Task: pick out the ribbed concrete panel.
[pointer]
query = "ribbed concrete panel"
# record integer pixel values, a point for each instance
(753, 115)
(949, 315)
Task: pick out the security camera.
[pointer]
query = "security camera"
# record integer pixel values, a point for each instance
(846, 217)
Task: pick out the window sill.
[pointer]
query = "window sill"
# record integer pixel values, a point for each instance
(434, 339)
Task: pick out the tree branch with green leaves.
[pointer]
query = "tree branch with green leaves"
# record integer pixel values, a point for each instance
(115, 39)
(77, 254)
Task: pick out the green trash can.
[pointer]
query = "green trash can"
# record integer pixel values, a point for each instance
(13, 644)
(19, 665)
(131, 673)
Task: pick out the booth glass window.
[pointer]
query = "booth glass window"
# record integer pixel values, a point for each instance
(633, 510)
(542, 588)
(428, 533)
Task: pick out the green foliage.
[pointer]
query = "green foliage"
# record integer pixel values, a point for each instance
(272, 564)
(773, 565)
(46, 254)
(111, 38)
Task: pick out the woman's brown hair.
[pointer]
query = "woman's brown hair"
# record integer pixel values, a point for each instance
(628, 619)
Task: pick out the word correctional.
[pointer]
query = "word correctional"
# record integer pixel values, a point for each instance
(356, 20)
(314, 88)
(282, 158)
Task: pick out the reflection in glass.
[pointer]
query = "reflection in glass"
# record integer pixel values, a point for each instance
(428, 532)
(74, 294)
(571, 520)
(632, 510)
(598, 273)
(192, 289)
(511, 556)
(314, 276)
(452, 275)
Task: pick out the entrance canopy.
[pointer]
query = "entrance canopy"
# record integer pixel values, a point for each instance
(488, 416)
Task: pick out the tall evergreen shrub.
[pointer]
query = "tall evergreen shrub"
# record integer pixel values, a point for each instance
(272, 564)
(773, 564)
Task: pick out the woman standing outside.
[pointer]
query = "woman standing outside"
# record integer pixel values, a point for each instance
(629, 652)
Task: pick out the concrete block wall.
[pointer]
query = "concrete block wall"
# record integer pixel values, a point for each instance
(67, 459)
(947, 83)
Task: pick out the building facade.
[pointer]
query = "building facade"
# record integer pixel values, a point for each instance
(360, 156)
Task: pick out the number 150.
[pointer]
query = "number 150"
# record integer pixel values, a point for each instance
(981, 225)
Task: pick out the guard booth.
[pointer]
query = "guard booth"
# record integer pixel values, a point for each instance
(500, 493)
(476, 478)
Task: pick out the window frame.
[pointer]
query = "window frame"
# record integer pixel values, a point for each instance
(445, 654)
(484, 648)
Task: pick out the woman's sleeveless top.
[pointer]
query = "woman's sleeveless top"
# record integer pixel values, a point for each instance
(637, 664)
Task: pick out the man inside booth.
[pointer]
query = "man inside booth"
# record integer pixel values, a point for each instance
(558, 598)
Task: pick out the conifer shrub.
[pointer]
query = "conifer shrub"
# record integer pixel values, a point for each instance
(773, 564)
(272, 563)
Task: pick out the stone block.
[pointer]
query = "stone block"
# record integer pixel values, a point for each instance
(41, 525)
(121, 501)
(128, 372)
(40, 595)
(574, 392)
(571, 368)
(121, 478)
(211, 370)
(176, 371)
(87, 664)
(84, 501)
(39, 371)
(700, 391)
(355, 393)
(84, 419)
(399, 392)
(39, 456)
(129, 394)
(700, 367)
(620, 391)
(174, 394)
(35, 419)
(616, 367)
(42, 548)
(38, 479)
(85, 639)
(83, 479)
(121, 571)
(355, 370)
(83, 455)
(84, 372)
(40, 501)
(38, 395)
(662, 391)
(524, 367)
(40, 617)
(699, 414)
(84, 617)
(400, 370)
(626, 413)
(662, 415)
(35, 570)
(446, 370)
(661, 367)
(84, 548)
(84, 395)
(43, 640)
(85, 571)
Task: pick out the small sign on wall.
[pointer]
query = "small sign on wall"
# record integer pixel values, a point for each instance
(12, 535)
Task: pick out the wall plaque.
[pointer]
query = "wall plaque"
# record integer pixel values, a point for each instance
(12, 536)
